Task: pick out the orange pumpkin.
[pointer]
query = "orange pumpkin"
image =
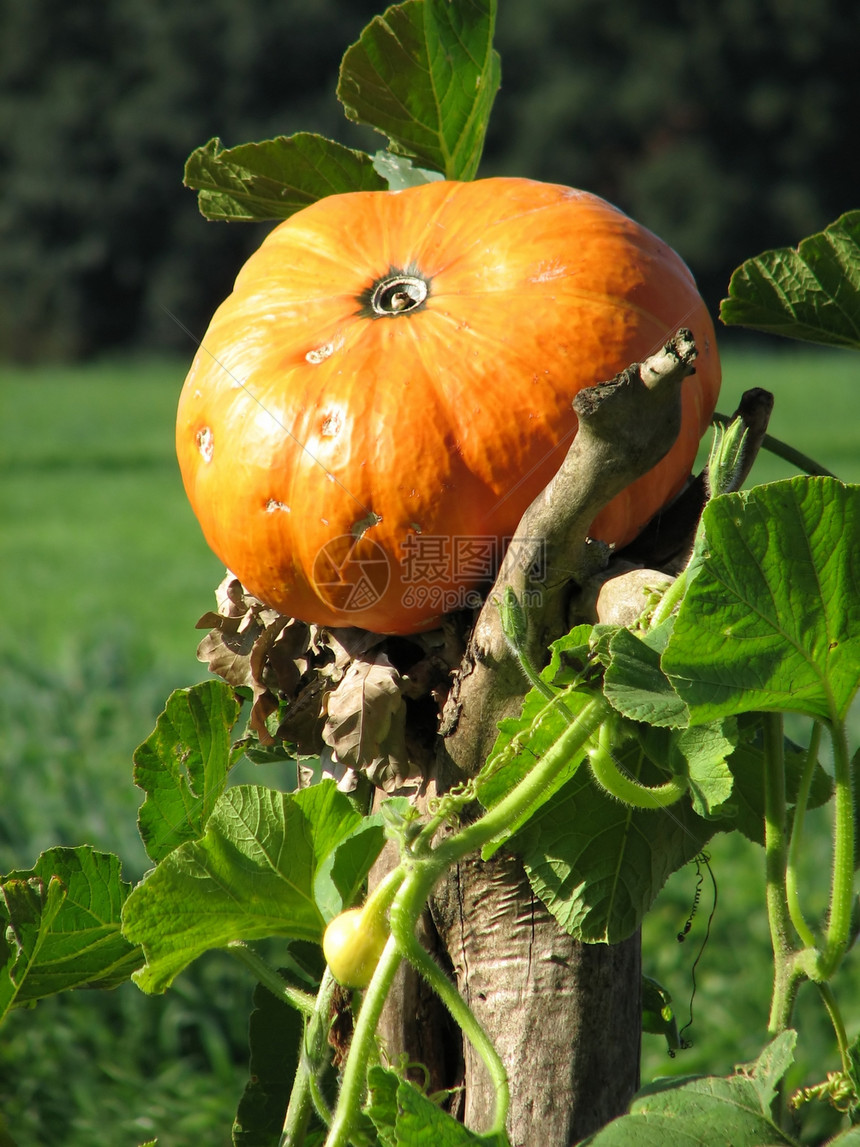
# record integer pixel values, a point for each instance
(389, 386)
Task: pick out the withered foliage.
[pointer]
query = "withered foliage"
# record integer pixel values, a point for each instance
(341, 694)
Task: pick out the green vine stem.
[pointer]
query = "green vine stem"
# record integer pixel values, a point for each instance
(725, 462)
(623, 786)
(835, 1014)
(604, 767)
(472, 837)
(269, 978)
(463, 1017)
(791, 881)
(363, 1040)
(313, 1055)
(379, 901)
(842, 887)
(776, 860)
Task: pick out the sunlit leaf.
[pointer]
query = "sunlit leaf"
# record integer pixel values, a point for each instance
(62, 923)
(424, 74)
(250, 876)
(399, 172)
(686, 1111)
(636, 685)
(772, 621)
(701, 755)
(810, 293)
(404, 1117)
(277, 177)
(343, 872)
(183, 765)
(597, 863)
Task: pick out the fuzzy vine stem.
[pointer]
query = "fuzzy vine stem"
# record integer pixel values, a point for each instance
(353, 1081)
(604, 767)
(826, 993)
(313, 1052)
(618, 784)
(842, 886)
(463, 1016)
(791, 882)
(472, 837)
(776, 859)
(270, 979)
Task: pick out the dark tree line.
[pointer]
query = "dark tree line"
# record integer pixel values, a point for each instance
(725, 125)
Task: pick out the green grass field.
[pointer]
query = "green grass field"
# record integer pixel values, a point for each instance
(104, 573)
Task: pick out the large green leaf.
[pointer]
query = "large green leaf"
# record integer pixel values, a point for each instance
(183, 765)
(596, 863)
(250, 876)
(62, 925)
(425, 75)
(692, 1111)
(772, 621)
(810, 293)
(277, 177)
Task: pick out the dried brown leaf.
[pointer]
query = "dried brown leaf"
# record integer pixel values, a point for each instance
(359, 711)
(340, 647)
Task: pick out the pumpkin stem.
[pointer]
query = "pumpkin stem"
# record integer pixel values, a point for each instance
(398, 293)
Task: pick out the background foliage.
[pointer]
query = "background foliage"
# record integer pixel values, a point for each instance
(723, 125)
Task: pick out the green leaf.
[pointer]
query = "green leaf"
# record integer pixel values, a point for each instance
(62, 923)
(700, 754)
(342, 874)
(275, 1033)
(521, 743)
(570, 658)
(848, 1138)
(183, 765)
(772, 621)
(689, 1111)
(766, 1072)
(404, 1117)
(636, 685)
(252, 875)
(425, 75)
(812, 293)
(598, 864)
(381, 1107)
(275, 178)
